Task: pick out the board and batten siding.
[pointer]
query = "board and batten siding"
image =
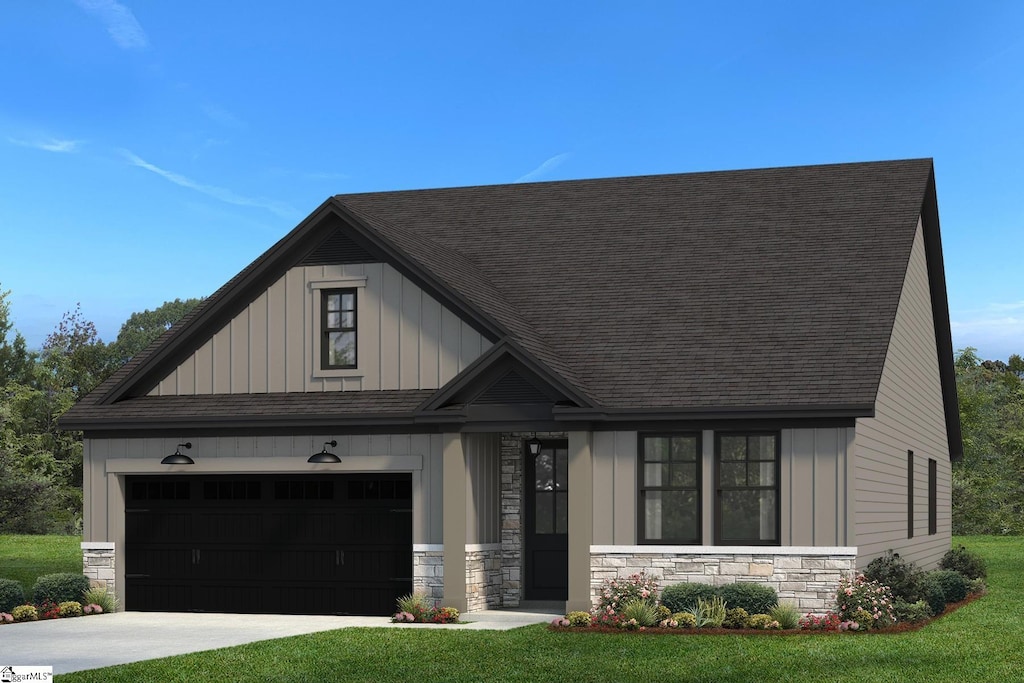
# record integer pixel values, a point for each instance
(483, 504)
(406, 339)
(814, 487)
(909, 416)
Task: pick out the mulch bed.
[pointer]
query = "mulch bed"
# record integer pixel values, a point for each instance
(654, 630)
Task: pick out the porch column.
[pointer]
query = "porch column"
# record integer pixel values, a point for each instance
(453, 521)
(581, 520)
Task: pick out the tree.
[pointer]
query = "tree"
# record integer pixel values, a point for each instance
(142, 329)
(15, 359)
(988, 484)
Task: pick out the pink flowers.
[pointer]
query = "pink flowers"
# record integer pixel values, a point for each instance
(92, 608)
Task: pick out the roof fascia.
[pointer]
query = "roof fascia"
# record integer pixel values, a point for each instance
(423, 278)
(940, 316)
(661, 415)
(261, 272)
(269, 266)
(478, 369)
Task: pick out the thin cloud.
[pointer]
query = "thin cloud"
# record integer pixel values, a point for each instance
(222, 116)
(545, 168)
(996, 329)
(121, 23)
(48, 145)
(219, 193)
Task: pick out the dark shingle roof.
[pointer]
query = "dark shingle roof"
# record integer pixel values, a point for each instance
(737, 289)
(742, 288)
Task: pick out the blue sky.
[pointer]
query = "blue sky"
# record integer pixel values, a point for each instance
(150, 150)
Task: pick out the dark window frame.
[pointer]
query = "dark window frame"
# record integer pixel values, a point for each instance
(933, 506)
(910, 494)
(777, 487)
(642, 489)
(326, 330)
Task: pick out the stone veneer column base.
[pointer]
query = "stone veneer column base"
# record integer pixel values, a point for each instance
(98, 564)
(483, 574)
(806, 577)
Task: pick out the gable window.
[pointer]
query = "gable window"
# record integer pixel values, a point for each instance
(670, 488)
(933, 507)
(338, 328)
(747, 481)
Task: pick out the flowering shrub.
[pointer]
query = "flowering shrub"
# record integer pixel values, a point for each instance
(867, 602)
(849, 626)
(403, 618)
(6, 618)
(25, 613)
(560, 621)
(92, 608)
(49, 610)
(615, 593)
(444, 615)
(826, 622)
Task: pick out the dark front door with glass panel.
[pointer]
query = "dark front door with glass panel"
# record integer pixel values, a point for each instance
(546, 536)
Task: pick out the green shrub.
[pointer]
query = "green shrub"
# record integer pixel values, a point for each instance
(911, 612)
(962, 560)
(933, 594)
(736, 618)
(685, 619)
(762, 622)
(102, 597)
(680, 597)
(755, 598)
(25, 613)
(11, 594)
(709, 613)
(643, 612)
(578, 618)
(59, 588)
(786, 614)
(954, 585)
(664, 613)
(976, 586)
(70, 608)
(891, 570)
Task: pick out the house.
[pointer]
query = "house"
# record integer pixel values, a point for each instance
(509, 393)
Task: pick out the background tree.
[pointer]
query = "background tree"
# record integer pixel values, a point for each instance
(41, 465)
(142, 329)
(988, 484)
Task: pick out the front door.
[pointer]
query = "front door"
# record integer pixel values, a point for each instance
(546, 536)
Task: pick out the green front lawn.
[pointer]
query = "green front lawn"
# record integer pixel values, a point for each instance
(26, 558)
(980, 642)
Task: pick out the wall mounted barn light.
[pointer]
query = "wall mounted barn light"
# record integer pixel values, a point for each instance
(179, 458)
(324, 455)
(534, 446)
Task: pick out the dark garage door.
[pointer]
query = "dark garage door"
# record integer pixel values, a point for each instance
(288, 544)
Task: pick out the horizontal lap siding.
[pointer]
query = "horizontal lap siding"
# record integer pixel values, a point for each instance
(908, 416)
(407, 340)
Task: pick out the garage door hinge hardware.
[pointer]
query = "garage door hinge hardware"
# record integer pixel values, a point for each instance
(339, 557)
(196, 556)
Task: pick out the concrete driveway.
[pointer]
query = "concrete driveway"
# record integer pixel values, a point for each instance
(97, 641)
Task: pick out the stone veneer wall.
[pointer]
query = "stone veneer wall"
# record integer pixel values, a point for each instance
(428, 571)
(98, 564)
(483, 576)
(805, 577)
(512, 513)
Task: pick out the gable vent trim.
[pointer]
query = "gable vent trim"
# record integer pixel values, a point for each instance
(512, 389)
(338, 249)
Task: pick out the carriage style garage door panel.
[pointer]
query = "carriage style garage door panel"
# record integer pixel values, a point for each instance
(292, 544)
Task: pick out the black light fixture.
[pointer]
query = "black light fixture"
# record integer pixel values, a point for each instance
(179, 458)
(534, 446)
(324, 456)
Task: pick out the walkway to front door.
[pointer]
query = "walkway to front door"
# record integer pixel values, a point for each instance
(546, 520)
